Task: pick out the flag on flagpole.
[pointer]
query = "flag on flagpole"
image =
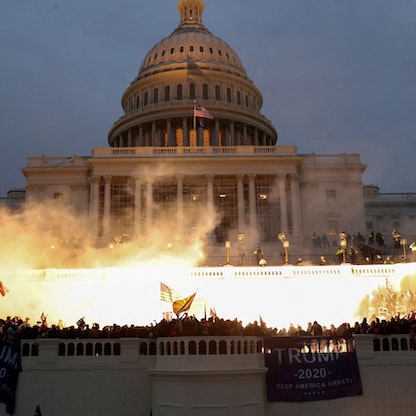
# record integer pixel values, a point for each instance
(37, 411)
(202, 112)
(183, 305)
(167, 294)
(3, 289)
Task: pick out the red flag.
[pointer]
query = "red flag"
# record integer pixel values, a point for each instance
(3, 289)
(183, 305)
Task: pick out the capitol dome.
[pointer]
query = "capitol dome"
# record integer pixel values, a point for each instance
(192, 67)
(191, 43)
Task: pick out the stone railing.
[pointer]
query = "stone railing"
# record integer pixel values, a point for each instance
(194, 151)
(230, 346)
(172, 346)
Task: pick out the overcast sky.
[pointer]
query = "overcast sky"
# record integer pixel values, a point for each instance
(336, 75)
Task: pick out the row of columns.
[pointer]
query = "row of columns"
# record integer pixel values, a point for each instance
(149, 204)
(152, 134)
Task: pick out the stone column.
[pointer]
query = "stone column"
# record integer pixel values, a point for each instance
(296, 214)
(240, 203)
(283, 204)
(179, 205)
(140, 143)
(199, 136)
(153, 140)
(216, 140)
(171, 141)
(256, 137)
(232, 134)
(149, 206)
(226, 141)
(137, 206)
(185, 131)
(252, 200)
(210, 190)
(107, 207)
(94, 204)
(245, 135)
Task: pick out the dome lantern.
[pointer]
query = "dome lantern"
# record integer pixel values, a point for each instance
(191, 11)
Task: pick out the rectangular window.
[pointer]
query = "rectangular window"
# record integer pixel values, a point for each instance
(333, 228)
(331, 194)
(58, 197)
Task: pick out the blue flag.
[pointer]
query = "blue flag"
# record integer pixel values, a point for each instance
(311, 368)
(37, 411)
(10, 366)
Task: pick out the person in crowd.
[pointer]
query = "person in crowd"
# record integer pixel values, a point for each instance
(371, 238)
(412, 247)
(261, 261)
(396, 238)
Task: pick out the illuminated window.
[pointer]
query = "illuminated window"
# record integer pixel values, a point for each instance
(333, 227)
(58, 197)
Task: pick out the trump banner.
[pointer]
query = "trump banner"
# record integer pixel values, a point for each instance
(10, 366)
(311, 368)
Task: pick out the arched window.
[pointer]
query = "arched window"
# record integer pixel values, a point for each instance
(192, 91)
(80, 348)
(167, 93)
(138, 101)
(238, 98)
(228, 95)
(156, 95)
(98, 349)
(217, 93)
(179, 92)
(246, 100)
(71, 349)
(146, 98)
(61, 349)
(89, 349)
(107, 348)
(205, 92)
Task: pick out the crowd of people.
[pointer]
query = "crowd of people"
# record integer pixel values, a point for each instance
(14, 328)
(361, 250)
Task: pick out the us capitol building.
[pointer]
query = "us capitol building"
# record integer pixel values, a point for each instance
(226, 175)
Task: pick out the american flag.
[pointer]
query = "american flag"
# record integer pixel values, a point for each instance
(202, 112)
(167, 294)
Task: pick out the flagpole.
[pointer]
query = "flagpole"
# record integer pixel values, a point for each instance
(194, 117)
